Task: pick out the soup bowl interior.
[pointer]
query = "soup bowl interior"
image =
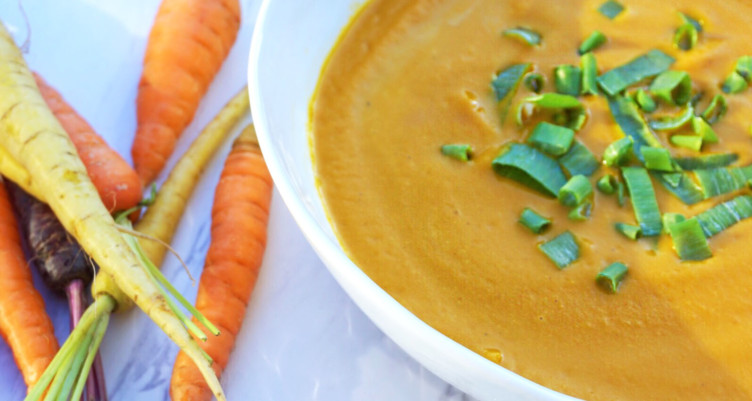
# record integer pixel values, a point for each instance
(291, 43)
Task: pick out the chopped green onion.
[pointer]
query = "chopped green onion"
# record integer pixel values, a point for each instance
(610, 277)
(689, 241)
(687, 141)
(562, 249)
(567, 79)
(629, 118)
(457, 151)
(682, 186)
(594, 41)
(607, 184)
(689, 20)
(507, 81)
(734, 83)
(530, 167)
(744, 67)
(534, 82)
(658, 159)
(534, 221)
(685, 37)
(725, 215)
(589, 74)
(575, 191)
(575, 111)
(672, 123)
(715, 110)
(628, 230)
(581, 212)
(525, 35)
(707, 161)
(671, 218)
(617, 153)
(718, 181)
(645, 101)
(552, 139)
(611, 9)
(648, 65)
(643, 199)
(703, 129)
(620, 196)
(579, 160)
(673, 87)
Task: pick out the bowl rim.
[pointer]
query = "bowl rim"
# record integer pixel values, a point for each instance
(416, 338)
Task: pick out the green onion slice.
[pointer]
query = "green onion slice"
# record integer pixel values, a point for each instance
(581, 212)
(617, 153)
(725, 215)
(658, 159)
(563, 249)
(575, 191)
(734, 83)
(715, 110)
(707, 161)
(506, 82)
(457, 151)
(744, 67)
(648, 65)
(552, 139)
(628, 230)
(689, 241)
(645, 101)
(673, 87)
(534, 82)
(592, 42)
(685, 37)
(686, 19)
(611, 9)
(671, 218)
(525, 35)
(704, 130)
(643, 199)
(629, 118)
(572, 108)
(589, 74)
(681, 186)
(673, 123)
(534, 221)
(530, 167)
(719, 181)
(692, 142)
(610, 277)
(579, 160)
(607, 184)
(567, 80)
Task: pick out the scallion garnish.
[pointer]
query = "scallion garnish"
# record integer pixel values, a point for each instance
(671, 218)
(594, 41)
(552, 139)
(607, 184)
(617, 153)
(734, 83)
(686, 19)
(534, 221)
(563, 249)
(579, 160)
(645, 101)
(689, 241)
(610, 277)
(704, 130)
(571, 107)
(628, 230)
(589, 74)
(575, 191)
(673, 87)
(526, 35)
(718, 181)
(643, 199)
(534, 82)
(672, 123)
(629, 118)
(611, 9)
(693, 142)
(530, 167)
(581, 212)
(567, 80)
(725, 215)
(715, 110)
(658, 159)
(457, 151)
(707, 161)
(505, 85)
(682, 186)
(685, 37)
(648, 65)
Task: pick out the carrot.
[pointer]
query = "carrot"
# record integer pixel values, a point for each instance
(117, 183)
(239, 218)
(36, 141)
(187, 44)
(23, 320)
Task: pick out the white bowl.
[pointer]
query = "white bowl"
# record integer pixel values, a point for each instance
(290, 44)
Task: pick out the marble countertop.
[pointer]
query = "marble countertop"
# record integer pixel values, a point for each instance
(303, 338)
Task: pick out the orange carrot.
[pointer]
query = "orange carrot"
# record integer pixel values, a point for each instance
(187, 44)
(239, 218)
(117, 183)
(23, 320)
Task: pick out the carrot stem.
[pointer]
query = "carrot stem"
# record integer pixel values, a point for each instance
(72, 371)
(91, 354)
(74, 292)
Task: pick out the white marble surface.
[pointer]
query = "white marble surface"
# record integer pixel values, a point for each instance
(303, 339)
